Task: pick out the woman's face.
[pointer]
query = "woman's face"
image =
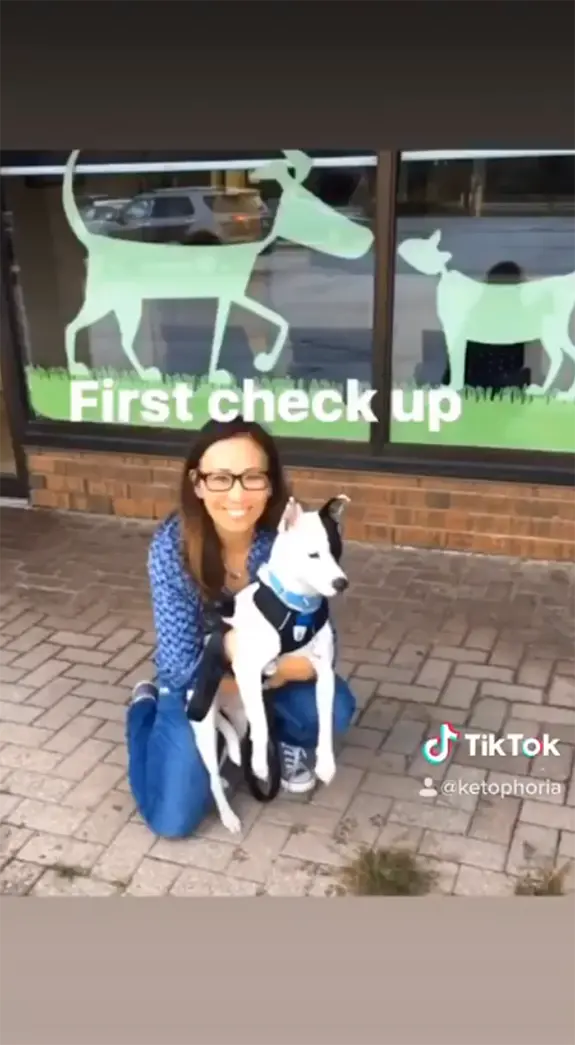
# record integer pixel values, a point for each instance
(233, 507)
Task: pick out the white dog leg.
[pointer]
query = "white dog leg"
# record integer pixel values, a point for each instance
(236, 716)
(227, 729)
(250, 686)
(325, 695)
(206, 739)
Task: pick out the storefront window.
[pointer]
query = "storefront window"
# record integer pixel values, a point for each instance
(484, 309)
(178, 282)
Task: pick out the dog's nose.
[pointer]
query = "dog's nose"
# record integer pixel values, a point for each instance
(340, 584)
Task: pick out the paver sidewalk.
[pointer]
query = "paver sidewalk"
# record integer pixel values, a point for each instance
(426, 637)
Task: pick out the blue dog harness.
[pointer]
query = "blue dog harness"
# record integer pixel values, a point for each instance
(296, 618)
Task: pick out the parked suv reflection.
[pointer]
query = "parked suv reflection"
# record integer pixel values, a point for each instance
(101, 216)
(188, 215)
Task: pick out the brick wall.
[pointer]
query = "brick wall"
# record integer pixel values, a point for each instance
(535, 522)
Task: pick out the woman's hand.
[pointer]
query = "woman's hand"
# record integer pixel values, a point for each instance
(291, 668)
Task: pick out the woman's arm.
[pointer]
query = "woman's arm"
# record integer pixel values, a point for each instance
(291, 668)
(177, 612)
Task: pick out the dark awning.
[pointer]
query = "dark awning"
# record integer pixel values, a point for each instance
(411, 76)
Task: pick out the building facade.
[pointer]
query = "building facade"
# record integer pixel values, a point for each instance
(402, 319)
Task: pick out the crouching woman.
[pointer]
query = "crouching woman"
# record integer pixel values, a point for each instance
(233, 493)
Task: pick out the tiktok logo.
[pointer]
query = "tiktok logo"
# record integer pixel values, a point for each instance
(437, 749)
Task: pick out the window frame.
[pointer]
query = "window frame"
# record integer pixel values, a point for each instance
(376, 455)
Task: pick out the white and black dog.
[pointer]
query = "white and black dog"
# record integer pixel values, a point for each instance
(285, 611)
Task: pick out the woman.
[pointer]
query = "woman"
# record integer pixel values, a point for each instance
(232, 496)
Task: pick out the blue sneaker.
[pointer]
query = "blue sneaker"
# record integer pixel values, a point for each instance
(297, 777)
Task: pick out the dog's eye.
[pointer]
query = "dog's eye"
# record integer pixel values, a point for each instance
(313, 555)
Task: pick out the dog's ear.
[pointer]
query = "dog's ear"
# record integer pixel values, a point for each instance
(334, 508)
(291, 514)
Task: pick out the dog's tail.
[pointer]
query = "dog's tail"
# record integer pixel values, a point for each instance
(69, 203)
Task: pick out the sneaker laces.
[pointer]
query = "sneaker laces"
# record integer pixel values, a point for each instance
(294, 759)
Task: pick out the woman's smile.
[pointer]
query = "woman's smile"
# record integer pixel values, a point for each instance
(237, 513)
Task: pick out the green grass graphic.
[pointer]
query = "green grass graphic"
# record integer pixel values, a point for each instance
(511, 421)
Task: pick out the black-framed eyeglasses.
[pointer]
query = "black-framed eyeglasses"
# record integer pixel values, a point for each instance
(222, 482)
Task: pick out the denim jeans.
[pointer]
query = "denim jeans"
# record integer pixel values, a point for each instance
(168, 779)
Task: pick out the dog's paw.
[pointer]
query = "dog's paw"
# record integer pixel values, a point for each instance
(79, 370)
(151, 373)
(325, 769)
(232, 822)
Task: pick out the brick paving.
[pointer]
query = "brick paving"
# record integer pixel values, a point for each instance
(425, 637)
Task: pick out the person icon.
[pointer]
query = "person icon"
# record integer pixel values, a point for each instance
(428, 790)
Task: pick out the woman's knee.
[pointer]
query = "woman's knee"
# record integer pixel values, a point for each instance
(178, 804)
(169, 780)
(174, 820)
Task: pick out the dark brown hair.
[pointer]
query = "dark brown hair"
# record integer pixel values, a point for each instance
(201, 545)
